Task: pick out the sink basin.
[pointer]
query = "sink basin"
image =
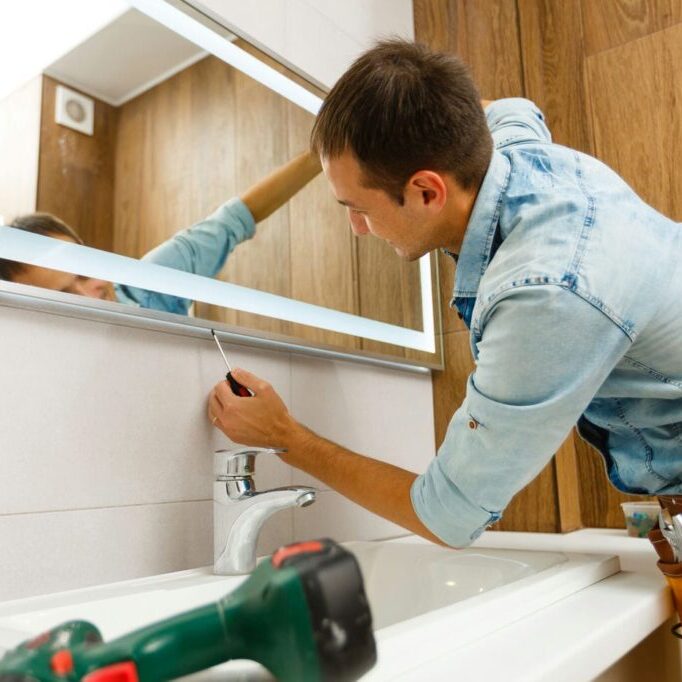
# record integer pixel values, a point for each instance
(406, 579)
(416, 591)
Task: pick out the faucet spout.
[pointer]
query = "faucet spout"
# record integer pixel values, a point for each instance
(242, 520)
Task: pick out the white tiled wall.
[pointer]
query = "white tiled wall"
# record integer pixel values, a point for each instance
(106, 452)
(320, 37)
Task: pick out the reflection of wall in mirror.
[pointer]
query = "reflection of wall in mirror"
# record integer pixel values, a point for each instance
(19, 142)
(76, 179)
(55, 169)
(167, 158)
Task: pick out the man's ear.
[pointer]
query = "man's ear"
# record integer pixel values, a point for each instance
(429, 189)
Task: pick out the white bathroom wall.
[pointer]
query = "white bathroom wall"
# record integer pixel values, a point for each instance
(319, 37)
(106, 452)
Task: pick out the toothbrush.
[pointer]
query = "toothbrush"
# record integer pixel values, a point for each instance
(237, 388)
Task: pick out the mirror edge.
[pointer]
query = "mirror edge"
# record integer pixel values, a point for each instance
(26, 297)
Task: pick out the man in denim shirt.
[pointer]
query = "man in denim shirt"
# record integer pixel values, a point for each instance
(570, 284)
(201, 249)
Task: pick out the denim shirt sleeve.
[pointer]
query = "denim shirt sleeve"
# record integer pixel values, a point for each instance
(201, 249)
(515, 120)
(542, 356)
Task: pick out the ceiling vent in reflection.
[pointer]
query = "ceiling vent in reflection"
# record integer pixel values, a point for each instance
(75, 110)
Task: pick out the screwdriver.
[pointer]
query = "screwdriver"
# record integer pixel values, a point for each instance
(237, 388)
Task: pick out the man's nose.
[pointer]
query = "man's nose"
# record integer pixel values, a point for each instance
(357, 223)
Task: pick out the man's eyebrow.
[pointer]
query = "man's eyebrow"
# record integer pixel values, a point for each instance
(349, 205)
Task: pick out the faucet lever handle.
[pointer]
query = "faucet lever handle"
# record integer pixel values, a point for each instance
(238, 462)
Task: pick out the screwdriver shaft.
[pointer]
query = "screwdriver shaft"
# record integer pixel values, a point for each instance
(220, 348)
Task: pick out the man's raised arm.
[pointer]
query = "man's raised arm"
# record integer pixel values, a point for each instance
(263, 420)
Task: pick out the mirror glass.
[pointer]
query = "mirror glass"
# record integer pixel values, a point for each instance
(145, 145)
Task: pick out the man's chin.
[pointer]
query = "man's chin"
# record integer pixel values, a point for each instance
(409, 256)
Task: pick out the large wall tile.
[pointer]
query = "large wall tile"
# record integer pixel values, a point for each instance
(365, 20)
(50, 552)
(382, 413)
(96, 415)
(319, 38)
(338, 518)
(57, 551)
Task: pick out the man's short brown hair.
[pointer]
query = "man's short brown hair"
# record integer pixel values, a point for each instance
(401, 108)
(38, 223)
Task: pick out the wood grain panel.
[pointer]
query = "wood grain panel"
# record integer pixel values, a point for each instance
(451, 321)
(185, 147)
(152, 200)
(484, 34)
(534, 509)
(263, 263)
(75, 180)
(616, 22)
(389, 289)
(490, 45)
(599, 500)
(19, 149)
(638, 131)
(434, 360)
(322, 254)
(553, 59)
(568, 485)
(437, 24)
(449, 385)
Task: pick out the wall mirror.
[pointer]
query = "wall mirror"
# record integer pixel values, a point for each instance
(185, 114)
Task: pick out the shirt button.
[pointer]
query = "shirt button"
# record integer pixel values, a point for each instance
(473, 424)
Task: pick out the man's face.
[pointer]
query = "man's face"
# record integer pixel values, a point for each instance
(409, 228)
(65, 281)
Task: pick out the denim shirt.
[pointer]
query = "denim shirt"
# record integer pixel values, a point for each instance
(201, 249)
(572, 289)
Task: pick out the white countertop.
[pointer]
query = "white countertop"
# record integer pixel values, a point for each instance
(580, 636)
(635, 554)
(574, 638)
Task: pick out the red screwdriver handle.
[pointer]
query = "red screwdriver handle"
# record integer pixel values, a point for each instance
(237, 388)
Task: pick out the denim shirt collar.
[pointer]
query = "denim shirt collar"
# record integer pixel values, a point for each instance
(474, 255)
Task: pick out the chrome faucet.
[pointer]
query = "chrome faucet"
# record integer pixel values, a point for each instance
(239, 511)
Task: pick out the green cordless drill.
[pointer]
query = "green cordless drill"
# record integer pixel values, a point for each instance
(303, 614)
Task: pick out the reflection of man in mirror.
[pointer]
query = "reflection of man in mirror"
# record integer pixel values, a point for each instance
(569, 283)
(201, 249)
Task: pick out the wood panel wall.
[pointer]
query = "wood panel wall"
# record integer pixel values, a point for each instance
(607, 77)
(19, 148)
(76, 177)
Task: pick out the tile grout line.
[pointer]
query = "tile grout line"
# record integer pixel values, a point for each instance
(121, 506)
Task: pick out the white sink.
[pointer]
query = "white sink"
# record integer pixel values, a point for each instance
(407, 579)
(415, 589)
